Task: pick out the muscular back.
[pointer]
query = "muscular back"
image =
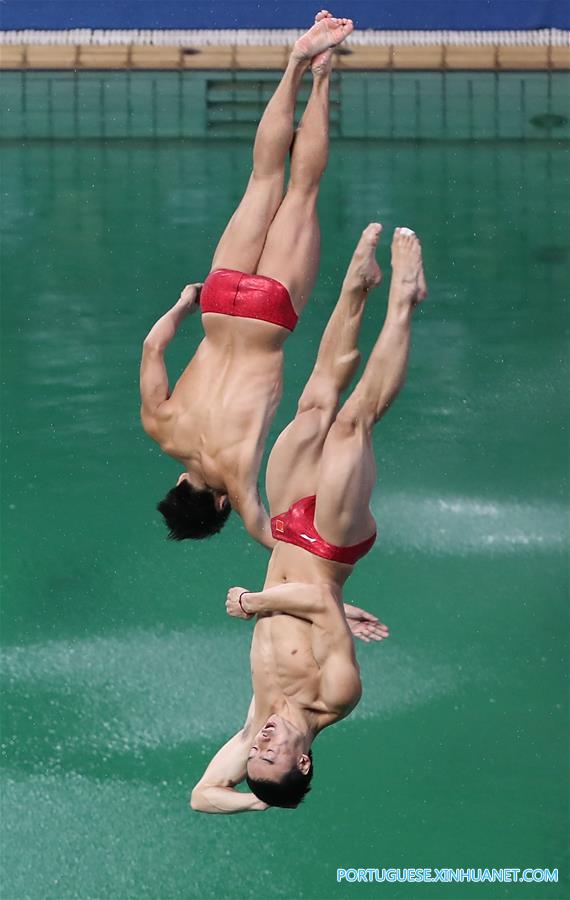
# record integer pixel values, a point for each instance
(217, 417)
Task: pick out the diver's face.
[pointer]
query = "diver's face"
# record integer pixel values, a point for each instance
(276, 748)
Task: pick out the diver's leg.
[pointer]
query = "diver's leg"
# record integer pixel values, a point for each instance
(292, 251)
(242, 242)
(293, 465)
(348, 470)
(338, 356)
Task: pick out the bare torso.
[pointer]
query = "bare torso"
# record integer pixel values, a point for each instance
(302, 662)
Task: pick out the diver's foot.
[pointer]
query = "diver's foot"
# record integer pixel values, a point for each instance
(327, 32)
(364, 271)
(321, 64)
(408, 277)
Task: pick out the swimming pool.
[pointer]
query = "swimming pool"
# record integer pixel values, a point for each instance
(122, 673)
(394, 105)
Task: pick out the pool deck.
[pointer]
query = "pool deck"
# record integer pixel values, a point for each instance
(440, 57)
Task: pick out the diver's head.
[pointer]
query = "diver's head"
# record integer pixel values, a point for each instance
(280, 764)
(193, 512)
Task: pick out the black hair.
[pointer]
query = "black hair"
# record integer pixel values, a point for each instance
(288, 792)
(192, 513)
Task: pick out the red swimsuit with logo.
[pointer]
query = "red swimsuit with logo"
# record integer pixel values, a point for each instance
(297, 526)
(248, 297)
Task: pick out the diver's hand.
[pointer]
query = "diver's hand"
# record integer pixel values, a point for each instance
(236, 603)
(364, 625)
(189, 299)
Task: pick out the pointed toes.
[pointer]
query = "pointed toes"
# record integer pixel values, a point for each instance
(372, 232)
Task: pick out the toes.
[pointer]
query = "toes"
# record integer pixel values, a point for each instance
(373, 232)
(405, 236)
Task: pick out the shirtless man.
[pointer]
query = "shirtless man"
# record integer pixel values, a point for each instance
(322, 471)
(215, 421)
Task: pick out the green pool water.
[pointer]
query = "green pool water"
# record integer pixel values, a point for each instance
(122, 673)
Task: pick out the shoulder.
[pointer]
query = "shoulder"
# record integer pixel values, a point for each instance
(154, 422)
(341, 687)
(150, 424)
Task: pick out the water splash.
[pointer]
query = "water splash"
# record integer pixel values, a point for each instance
(464, 525)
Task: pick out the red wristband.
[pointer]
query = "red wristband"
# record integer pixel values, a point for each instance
(244, 611)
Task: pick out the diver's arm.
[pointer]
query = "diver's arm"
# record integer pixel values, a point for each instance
(153, 374)
(215, 792)
(224, 800)
(256, 519)
(306, 601)
(244, 495)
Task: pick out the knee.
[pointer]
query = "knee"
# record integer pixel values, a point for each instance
(321, 395)
(353, 419)
(303, 188)
(268, 183)
(345, 426)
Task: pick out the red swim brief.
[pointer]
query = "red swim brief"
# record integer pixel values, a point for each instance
(248, 296)
(297, 526)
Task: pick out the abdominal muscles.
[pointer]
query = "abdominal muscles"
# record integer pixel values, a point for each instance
(282, 659)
